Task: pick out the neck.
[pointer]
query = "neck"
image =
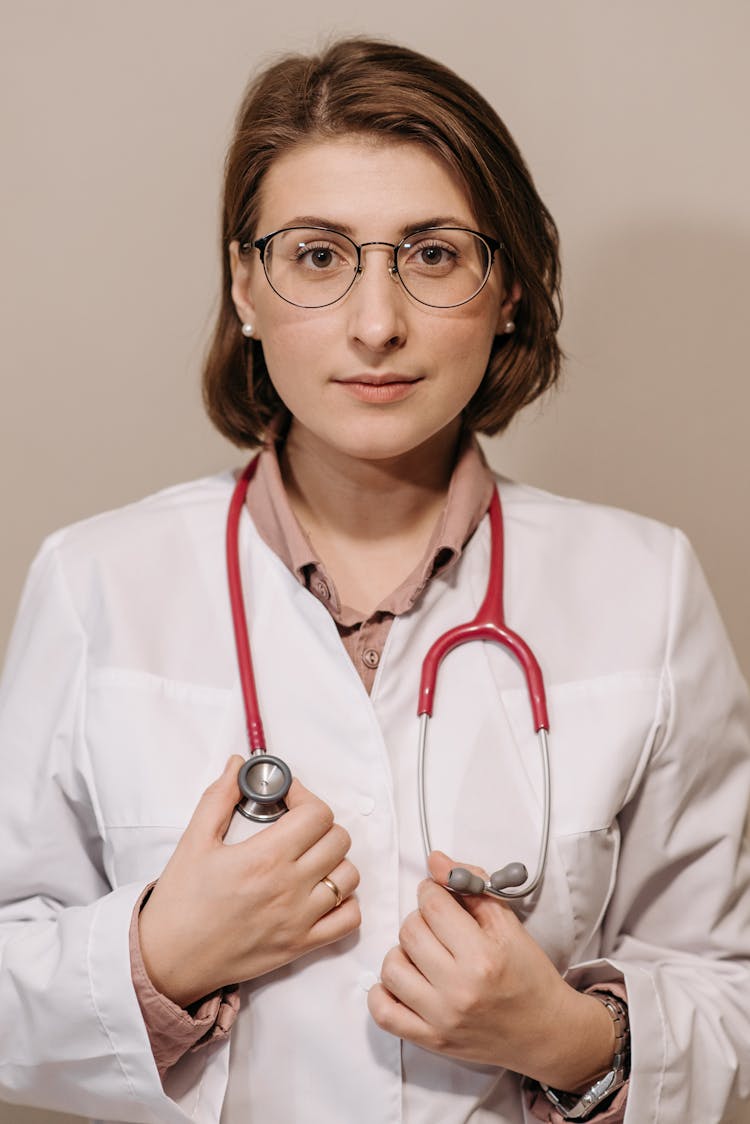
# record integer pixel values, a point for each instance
(333, 493)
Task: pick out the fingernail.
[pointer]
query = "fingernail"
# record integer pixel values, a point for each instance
(228, 767)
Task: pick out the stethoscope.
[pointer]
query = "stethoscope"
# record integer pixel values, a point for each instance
(264, 779)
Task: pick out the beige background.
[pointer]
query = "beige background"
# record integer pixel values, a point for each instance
(633, 117)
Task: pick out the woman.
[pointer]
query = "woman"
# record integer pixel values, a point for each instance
(390, 284)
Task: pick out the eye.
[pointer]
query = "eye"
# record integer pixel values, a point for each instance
(430, 255)
(434, 255)
(319, 255)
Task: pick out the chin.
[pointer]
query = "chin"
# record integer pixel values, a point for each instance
(389, 439)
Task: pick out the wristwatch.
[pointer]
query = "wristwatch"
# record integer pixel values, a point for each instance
(580, 1106)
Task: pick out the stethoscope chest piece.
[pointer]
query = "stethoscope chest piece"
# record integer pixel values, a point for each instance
(264, 781)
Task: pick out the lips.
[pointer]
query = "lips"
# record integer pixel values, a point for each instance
(379, 389)
(386, 379)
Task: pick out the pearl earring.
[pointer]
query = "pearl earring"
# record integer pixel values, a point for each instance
(510, 327)
(247, 331)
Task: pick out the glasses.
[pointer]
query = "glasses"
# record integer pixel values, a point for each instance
(313, 266)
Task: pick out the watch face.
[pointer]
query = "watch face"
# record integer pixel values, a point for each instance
(578, 1106)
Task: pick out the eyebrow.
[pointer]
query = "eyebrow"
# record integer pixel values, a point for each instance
(408, 228)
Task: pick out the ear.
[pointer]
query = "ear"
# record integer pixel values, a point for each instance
(508, 307)
(242, 278)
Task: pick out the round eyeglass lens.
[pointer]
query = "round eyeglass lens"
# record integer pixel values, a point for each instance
(310, 267)
(443, 267)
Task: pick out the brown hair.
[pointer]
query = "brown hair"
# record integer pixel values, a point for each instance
(364, 86)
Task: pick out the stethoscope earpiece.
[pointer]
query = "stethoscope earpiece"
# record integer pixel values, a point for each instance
(264, 781)
(462, 881)
(514, 874)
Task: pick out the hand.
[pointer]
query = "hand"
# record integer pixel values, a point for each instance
(467, 980)
(223, 913)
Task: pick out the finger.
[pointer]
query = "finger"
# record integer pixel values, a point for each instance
(446, 917)
(395, 1018)
(298, 795)
(215, 808)
(490, 912)
(345, 878)
(335, 924)
(424, 950)
(406, 983)
(307, 821)
(326, 853)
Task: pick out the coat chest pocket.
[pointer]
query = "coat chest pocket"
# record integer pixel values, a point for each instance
(155, 744)
(601, 735)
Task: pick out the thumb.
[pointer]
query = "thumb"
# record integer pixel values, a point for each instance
(214, 810)
(441, 865)
(483, 908)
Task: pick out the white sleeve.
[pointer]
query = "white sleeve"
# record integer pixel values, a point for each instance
(678, 925)
(71, 1034)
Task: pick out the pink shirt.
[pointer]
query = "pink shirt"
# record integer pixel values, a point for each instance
(172, 1030)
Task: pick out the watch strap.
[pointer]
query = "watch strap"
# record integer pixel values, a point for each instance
(580, 1106)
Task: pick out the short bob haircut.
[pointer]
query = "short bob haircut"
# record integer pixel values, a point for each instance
(359, 86)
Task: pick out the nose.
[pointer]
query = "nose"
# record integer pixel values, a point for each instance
(376, 303)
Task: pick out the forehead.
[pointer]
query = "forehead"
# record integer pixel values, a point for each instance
(371, 186)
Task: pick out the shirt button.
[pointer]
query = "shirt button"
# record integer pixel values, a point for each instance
(366, 805)
(371, 657)
(367, 980)
(320, 589)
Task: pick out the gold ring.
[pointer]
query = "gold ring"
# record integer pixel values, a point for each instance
(334, 890)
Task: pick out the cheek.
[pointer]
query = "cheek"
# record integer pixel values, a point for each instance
(292, 348)
(466, 349)
(468, 332)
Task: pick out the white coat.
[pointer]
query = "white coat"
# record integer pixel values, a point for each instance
(120, 703)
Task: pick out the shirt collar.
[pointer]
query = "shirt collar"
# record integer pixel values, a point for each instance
(469, 494)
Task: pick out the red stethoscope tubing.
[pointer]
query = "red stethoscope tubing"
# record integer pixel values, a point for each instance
(488, 624)
(255, 734)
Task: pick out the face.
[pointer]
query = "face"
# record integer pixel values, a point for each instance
(376, 375)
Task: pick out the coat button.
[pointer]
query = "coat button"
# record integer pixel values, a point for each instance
(320, 589)
(371, 657)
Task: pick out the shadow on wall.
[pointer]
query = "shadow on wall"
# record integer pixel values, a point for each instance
(653, 416)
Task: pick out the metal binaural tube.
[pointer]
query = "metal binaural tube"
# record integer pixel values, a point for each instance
(541, 864)
(463, 881)
(423, 720)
